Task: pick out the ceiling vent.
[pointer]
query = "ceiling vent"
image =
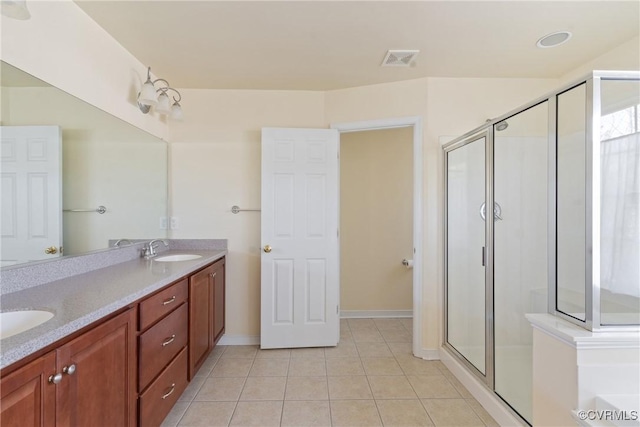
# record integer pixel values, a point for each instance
(399, 58)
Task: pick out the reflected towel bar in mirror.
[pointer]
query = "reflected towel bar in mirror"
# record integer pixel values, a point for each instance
(235, 209)
(100, 209)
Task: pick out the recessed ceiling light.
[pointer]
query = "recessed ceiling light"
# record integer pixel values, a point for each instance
(554, 39)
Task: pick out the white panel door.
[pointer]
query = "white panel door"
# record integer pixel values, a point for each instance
(31, 192)
(300, 273)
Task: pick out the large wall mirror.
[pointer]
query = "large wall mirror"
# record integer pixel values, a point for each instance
(63, 160)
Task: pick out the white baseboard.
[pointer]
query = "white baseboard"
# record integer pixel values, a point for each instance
(487, 398)
(428, 354)
(239, 340)
(378, 314)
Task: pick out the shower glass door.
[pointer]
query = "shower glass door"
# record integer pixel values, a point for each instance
(465, 256)
(519, 249)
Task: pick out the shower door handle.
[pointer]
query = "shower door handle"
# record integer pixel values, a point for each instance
(497, 211)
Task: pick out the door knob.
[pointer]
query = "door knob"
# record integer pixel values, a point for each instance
(51, 250)
(267, 248)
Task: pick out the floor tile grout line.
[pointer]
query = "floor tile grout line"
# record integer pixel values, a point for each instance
(329, 400)
(235, 408)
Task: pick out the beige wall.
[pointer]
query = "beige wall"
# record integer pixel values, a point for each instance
(61, 45)
(376, 219)
(215, 164)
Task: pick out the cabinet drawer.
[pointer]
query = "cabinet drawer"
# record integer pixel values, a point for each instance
(161, 343)
(156, 306)
(162, 394)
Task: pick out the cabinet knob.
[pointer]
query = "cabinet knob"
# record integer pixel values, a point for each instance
(55, 379)
(69, 370)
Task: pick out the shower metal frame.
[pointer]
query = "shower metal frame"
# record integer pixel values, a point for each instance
(592, 217)
(487, 134)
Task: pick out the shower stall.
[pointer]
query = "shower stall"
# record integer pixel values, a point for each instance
(542, 215)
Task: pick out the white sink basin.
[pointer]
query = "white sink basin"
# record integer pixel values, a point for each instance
(14, 322)
(177, 257)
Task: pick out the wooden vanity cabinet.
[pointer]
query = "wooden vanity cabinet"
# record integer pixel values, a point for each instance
(218, 300)
(127, 370)
(88, 380)
(206, 313)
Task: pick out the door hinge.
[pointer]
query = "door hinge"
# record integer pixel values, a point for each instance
(338, 232)
(337, 309)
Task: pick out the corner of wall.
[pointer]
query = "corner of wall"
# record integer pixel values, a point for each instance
(625, 57)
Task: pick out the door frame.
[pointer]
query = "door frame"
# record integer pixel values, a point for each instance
(416, 123)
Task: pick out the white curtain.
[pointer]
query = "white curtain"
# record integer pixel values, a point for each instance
(620, 221)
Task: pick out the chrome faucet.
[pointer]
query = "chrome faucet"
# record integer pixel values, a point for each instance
(119, 241)
(149, 250)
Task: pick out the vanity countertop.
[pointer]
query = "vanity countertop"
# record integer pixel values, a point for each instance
(80, 300)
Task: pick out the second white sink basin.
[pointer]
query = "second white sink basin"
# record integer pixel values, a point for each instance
(177, 257)
(14, 322)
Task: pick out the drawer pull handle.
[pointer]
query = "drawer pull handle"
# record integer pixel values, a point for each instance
(170, 340)
(169, 301)
(170, 392)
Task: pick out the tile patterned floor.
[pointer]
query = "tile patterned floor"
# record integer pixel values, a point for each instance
(369, 379)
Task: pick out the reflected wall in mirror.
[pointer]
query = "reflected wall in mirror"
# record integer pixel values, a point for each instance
(105, 162)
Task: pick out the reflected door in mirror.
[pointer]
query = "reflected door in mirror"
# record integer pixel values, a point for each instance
(31, 193)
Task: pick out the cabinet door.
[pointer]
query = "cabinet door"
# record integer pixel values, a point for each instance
(218, 300)
(98, 384)
(28, 398)
(200, 321)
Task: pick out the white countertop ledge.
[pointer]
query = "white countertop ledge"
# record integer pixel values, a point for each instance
(582, 338)
(80, 300)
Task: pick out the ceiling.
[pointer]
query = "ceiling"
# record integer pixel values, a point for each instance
(11, 76)
(324, 45)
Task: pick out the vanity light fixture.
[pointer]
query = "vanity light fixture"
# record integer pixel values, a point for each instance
(158, 98)
(16, 9)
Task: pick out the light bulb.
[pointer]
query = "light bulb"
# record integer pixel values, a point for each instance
(176, 111)
(164, 104)
(147, 95)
